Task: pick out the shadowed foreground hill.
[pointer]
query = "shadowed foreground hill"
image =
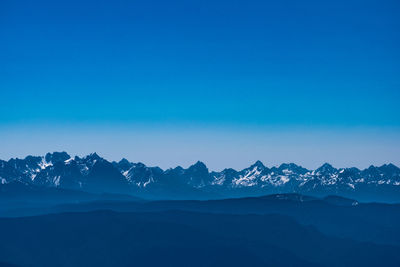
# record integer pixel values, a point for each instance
(105, 238)
(334, 216)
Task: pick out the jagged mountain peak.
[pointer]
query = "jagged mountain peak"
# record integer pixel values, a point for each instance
(389, 167)
(326, 168)
(177, 168)
(123, 164)
(57, 156)
(258, 164)
(287, 166)
(93, 156)
(228, 170)
(292, 167)
(199, 165)
(33, 158)
(124, 161)
(139, 165)
(351, 169)
(92, 159)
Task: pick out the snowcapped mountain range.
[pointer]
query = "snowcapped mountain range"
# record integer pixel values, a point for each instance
(95, 174)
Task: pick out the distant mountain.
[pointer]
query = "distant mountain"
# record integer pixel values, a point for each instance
(94, 174)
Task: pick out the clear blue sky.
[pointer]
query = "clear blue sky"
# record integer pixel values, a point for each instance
(256, 75)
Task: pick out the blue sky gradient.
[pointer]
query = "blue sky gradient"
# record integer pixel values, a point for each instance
(267, 68)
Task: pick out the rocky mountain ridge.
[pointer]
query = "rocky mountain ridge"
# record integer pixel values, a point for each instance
(93, 173)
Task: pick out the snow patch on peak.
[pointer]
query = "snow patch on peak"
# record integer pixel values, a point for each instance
(250, 179)
(218, 180)
(127, 174)
(44, 164)
(287, 171)
(68, 160)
